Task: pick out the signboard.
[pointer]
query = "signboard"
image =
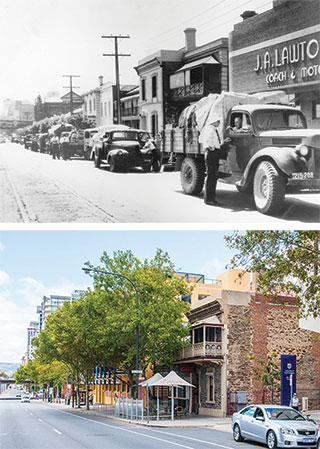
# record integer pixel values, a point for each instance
(188, 368)
(288, 378)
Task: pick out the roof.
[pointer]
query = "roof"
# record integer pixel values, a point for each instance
(151, 381)
(172, 380)
(190, 65)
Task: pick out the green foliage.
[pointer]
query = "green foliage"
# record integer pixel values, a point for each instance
(160, 314)
(41, 374)
(268, 372)
(285, 261)
(4, 375)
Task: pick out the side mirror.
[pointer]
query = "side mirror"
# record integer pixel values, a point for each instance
(260, 418)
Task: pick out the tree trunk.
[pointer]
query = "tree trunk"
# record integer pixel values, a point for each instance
(87, 395)
(72, 394)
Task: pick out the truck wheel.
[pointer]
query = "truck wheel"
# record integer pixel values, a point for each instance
(269, 188)
(192, 176)
(114, 165)
(97, 160)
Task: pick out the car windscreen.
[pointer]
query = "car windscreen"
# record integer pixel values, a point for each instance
(278, 119)
(283, 414)
(125, 135)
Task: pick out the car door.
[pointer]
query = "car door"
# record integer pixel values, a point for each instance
(257, 425)
(245, 420)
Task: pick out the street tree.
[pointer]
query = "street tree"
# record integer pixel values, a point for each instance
(3, 375)
(268, 372)
(285, 261)
(159, 316)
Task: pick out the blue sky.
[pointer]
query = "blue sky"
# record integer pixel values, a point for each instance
(37, 263)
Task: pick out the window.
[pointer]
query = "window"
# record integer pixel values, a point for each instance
(196, 75)
(101, 109)
(143, 89)
(186, 299)
(198, 335)
(154, 86)
(94, 104)
(249, 411)
(202, 297)
(213, 334)
(315, 109)
(210, 387)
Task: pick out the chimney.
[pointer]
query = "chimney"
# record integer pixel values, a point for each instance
(247, 14)
(190, 38)
(100, 78)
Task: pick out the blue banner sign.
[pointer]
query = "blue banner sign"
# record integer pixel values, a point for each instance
(288, 378)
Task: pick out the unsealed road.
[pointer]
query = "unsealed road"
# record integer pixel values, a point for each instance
(36, 188)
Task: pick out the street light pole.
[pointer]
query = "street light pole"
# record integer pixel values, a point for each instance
(137, 307)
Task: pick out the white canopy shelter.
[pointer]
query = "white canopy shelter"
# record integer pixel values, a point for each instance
(171, 380)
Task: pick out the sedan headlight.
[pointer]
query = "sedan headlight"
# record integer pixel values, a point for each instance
(302, 150)
(285, 431)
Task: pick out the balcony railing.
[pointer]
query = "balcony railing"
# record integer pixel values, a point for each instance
(195, 90)
(126, 112)
(210, 349)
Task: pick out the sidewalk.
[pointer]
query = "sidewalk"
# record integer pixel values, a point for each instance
(222, 424)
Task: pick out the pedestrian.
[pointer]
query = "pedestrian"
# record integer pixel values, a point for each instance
(91, 399)
(151, 144)
(295, 401)
(214, 149)
(55, 147)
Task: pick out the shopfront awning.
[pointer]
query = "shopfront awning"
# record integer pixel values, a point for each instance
(199, 62)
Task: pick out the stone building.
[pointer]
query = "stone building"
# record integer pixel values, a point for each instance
(229, 326)
(280, 49)
(171, 79)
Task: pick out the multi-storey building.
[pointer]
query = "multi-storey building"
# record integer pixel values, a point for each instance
(32, 331)
(49, 305)
(171, 79)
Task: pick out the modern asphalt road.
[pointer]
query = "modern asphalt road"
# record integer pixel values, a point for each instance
(37, 189)
(36, 425)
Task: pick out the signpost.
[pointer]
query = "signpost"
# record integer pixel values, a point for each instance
(288, 378)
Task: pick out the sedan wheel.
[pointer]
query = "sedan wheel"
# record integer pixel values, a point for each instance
(271, 440)
(237, 433)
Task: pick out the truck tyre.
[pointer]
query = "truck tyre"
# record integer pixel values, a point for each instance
(269, 187)
(114, 165)
(192, 176)
(97, 160)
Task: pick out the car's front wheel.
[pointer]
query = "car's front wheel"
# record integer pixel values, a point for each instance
(271, 440)
(237, 433)
(269, 188)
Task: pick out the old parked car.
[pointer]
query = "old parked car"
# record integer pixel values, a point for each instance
(122, 148)
(276, 425)
(25, 398)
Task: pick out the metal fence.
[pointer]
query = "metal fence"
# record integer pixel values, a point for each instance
(129, 408)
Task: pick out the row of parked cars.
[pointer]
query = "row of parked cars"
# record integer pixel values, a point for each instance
(118, 146)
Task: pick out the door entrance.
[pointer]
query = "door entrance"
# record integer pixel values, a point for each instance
(195, 393)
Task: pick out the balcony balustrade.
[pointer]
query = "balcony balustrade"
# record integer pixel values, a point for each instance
(210, 349)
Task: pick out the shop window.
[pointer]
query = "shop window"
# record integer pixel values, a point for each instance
(210, 387)
(198, 335)
(315, 109)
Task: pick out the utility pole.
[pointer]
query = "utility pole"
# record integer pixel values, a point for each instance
(116, 54)
(71, 89)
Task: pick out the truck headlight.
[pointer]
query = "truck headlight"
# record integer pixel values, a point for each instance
(302, 150)
(287, 431)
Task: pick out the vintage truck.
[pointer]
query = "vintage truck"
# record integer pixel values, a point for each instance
(273, 153)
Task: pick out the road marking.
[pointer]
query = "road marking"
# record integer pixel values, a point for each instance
(39, 419)
(193, 439)
(56, 430)
(130, 431)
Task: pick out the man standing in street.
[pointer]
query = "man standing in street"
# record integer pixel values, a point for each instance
(212, 143)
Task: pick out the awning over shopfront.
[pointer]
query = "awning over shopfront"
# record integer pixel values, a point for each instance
(199, 62)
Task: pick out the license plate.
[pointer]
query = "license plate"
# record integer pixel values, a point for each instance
(308, 440)
(303, 175)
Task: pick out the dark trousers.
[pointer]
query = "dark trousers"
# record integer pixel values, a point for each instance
(212, 166)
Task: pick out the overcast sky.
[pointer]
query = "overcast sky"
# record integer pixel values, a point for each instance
(41, 40)
(38, 263)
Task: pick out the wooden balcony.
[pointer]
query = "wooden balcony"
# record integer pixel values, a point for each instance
(202, 350)
(194, 91)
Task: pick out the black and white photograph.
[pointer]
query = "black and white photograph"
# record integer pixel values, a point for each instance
(160, 111)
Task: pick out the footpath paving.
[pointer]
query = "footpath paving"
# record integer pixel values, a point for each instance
(102, 411)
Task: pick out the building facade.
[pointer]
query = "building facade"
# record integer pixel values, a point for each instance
(172, 79)
(279, 49)
(49, 305)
